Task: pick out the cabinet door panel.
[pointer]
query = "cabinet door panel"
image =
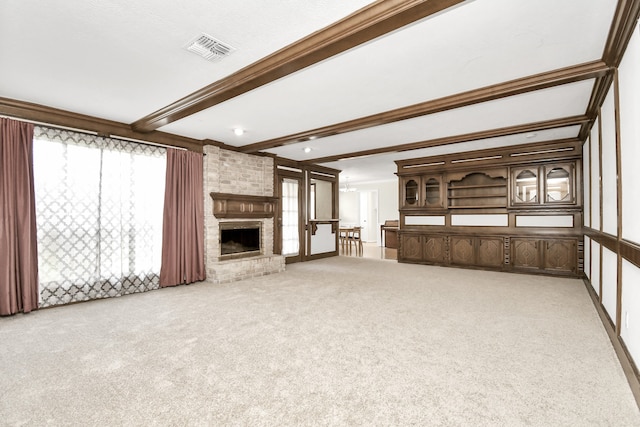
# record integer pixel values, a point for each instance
(434, 193)
(560, 255)
(462, 251)
(525, 253)
(525, 186)
(412, 247)
(435, 249)
(490, 251)
(560, 183)
(411, 192)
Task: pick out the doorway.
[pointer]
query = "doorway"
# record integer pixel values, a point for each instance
(369, 215)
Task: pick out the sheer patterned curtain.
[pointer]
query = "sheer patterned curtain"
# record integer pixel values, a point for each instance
(99, 215)
(18, 244)
(290, 217)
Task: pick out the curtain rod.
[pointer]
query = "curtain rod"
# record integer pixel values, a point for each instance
(90, 132)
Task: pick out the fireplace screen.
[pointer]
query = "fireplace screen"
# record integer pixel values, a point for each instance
(238, 239)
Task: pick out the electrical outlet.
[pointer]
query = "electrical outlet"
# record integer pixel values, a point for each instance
(626, 319)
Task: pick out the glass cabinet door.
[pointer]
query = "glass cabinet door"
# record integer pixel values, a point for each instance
(558, 184)
(411, 192)
(433, 192)
(525, 185)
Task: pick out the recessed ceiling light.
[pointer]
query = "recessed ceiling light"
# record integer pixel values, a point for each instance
(238, 131)
(311, 138)
(307, 149)
(531, 135)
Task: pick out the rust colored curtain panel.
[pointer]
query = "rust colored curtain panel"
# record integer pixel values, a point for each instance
(183, 222)
(18, 242)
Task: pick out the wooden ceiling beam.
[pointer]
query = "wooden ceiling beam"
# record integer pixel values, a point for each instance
(488, 93)
(474, 136)
(372, 21)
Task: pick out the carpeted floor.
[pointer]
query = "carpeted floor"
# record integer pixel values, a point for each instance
(340, 341)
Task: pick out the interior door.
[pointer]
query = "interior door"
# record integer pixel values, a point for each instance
(290, 223)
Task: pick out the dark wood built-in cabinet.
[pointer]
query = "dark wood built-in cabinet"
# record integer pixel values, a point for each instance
(516, 209)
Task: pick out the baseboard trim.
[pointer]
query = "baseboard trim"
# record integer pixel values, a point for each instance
(628, 366)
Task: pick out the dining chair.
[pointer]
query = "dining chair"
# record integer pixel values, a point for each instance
(355, 237)
(343, 237)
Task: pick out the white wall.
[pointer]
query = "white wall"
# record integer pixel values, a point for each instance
(609, 262)
(629, 83)
(349, 208)
(609, 282)
(586, 183)
(630, 138)
(609, 183)
(595, 267)
(387, 205)
(595, 177)
(604, 263)
(630, 327)
(587, 257)
(387, 199)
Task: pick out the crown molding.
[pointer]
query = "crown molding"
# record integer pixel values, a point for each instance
(61, 118)
(622, 27)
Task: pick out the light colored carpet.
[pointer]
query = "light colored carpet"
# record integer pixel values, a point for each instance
(340, 341)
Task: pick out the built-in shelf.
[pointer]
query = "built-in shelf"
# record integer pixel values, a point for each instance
(462, 187)
(477, 196)
(476, 206)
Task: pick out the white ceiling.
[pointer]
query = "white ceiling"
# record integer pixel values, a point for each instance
(122, 60)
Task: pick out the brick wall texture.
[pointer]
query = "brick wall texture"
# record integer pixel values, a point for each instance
(237, 173)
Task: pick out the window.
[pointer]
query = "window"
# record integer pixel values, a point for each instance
(99, 205)
(290, 216)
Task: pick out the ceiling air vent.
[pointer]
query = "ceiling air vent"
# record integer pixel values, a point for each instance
(209, 48)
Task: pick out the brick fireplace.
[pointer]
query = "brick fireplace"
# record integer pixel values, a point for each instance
(238, 193)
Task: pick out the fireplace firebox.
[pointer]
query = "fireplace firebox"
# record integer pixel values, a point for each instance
(240, 239)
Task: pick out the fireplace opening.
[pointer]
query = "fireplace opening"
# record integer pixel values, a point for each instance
(239, 239)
